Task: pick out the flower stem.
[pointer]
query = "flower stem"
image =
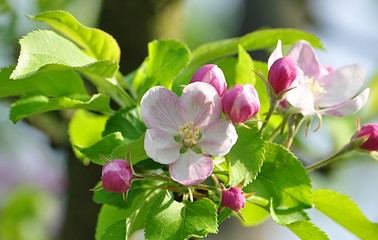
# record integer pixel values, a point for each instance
(330, 159)
(273, 105)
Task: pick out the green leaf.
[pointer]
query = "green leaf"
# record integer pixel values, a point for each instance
(31, 105)
(128, 121)
(135, 148)
(253, 214)
(52, 83)
(95, 42)
(46, 50)
(345, 212)
(104, 147)
(169, 219)
(306, 230)
(116, 231)
(244, 68)
(287, 216)
(283, 179)
(166, 59)
(246, 156)
(109, 222)
(262, 39)
(85, 129)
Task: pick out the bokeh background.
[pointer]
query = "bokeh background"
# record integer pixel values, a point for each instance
(44, 190)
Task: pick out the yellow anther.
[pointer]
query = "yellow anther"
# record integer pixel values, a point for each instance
(190, 134)
(316, 87)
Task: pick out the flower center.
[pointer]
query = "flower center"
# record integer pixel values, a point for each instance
(315, 87)
(189, 134)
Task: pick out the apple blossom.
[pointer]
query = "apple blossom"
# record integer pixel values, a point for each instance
(240, 103)
(213, 75)
(117, 176)
(233, 198)
(322, 90)
(186, 131)
(371, 131)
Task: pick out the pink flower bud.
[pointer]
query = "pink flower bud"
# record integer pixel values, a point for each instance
(282, 74)
(240, 103)
(371, 131)
(117, 176)
(233, 199)
(213, 75)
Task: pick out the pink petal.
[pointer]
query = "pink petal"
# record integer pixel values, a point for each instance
(305, 56)
(159, 107)
(191, 168)
(276, 54)
(302, 98)
(349, 107)
(341, 85)
(161, 146)
(218, 138)
(202, 104)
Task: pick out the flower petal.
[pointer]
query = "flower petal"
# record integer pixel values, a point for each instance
(302, 98)
(218, 138)
(202, 104)
(305, 56)
(161, 146)
(191, 168)
(349, 107)
(276, 54)
(160, 110)
(341, 85)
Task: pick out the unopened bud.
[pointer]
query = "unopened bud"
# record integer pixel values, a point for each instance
(240, 103)
(213, 75)
(282, 74)
(117, 176)
(233, 198)
(371, 132)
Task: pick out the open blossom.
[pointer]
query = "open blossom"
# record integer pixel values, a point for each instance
(233, 198)
(213, 75)
(371, 132)
(117, 176)
(320, 89)
(186, 131)
(240, 103)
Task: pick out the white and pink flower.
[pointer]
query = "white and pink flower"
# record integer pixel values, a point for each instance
(320, 89)
(186, 131)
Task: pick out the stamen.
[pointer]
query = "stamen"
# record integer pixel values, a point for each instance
(190, 134)
(316, 87)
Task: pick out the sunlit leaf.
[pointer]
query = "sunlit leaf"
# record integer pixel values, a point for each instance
(306, 230)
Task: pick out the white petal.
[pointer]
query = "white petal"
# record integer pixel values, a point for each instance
(201, 104)
(341, 85)
(349, 107)
(218, 138)
(159, 107)
(191, 168)
(161, 146)
(276, 54)
(305, 56)
(302, 98)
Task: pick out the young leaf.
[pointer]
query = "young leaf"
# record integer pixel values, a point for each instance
(244, 68)
(46, 50)
(169, 219)
(135, 148)
(283, 179)
(85, 129)
(306, 230)
(103, 147)
(246, 156)
(52, 83)
(117, 231)
(31, 105)
(345, 212)
(109, 222)
(96, 43)
(128, 121)
(166, 59)
(253, 214)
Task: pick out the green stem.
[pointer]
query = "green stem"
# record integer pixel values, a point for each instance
(293, 129)
(272, 108)
(331, 159)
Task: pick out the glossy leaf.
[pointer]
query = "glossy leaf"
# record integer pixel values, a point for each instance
(31, 105)
(52, 83)
(46, 50)
(306, 230)
(345, 212)
(169, 219)
(253, 214)
(246, 156)
(283, 179)
(95, 42)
